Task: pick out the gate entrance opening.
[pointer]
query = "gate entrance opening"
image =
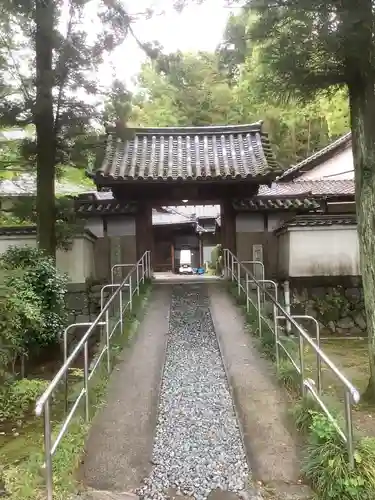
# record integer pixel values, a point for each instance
(145, 176)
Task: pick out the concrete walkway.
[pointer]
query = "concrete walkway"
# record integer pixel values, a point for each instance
(120, 445)
(120, 442)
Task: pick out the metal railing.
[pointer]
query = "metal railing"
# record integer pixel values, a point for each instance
(239, 273)
(43, 404)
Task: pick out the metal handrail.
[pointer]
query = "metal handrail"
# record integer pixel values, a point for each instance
(351, 394)
(43, 404)
(66, 331)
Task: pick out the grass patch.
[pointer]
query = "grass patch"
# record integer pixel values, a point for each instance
(21, 457)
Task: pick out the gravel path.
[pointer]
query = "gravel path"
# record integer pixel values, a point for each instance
(197, 445)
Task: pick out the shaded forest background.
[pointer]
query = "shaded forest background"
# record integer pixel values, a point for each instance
(234, 85)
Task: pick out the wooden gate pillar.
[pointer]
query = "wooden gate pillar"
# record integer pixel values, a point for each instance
(228, 225)
(143, 229)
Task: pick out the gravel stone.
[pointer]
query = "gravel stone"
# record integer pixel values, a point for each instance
(198, 446)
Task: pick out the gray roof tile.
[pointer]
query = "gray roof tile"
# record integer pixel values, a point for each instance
(189, 153)
(318, 221)
(274, 204)
(323, 187)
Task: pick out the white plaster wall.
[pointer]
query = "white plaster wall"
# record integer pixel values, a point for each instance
(249, 223)
(95, 225)
(283, 255)
(339, 166)
(121, 226)
(325, 251)
(78, 262)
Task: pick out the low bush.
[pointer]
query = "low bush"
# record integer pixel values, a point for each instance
(17, 398)
(38, 274)
(20, 314)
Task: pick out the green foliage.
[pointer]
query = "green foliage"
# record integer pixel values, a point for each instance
(229, 87)
(18, 397)
(326, 464)
(303, 411)
(32, 309)
(20, 257)
(20, 314)
(67, 225)
(39, 274)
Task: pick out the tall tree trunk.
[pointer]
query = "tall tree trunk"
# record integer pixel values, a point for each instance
(361, 84)
(44, 122)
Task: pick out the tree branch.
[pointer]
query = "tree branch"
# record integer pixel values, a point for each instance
(25, 92)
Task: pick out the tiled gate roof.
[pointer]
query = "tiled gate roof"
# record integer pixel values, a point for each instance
(189, 153)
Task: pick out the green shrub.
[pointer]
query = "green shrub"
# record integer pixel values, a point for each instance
(38, 280)
(20, 313)
(17, 398)
(327, 468)
(303, 412)
(20, 257)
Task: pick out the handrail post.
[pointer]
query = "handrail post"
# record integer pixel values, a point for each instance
(349, 427)
(121, 313)
(247, 294)
(276, 330)
(232, 267)
(47, 450)
(107, 333)
(288, 325)
(137, 278)
(302, 365)
(86, 381)
(130, 294)
(65, 357)
(66, 374)
(259, 312)
(238, 278)
(318, 361)
(148, 263)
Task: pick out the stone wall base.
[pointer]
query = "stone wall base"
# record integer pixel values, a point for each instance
(83, 302)
(337, 303)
